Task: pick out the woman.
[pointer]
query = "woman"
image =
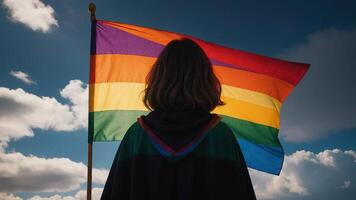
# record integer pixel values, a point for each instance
(180, 150)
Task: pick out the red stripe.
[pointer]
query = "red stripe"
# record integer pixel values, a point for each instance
(290, 72)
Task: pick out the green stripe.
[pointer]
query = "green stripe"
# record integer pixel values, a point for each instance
(112, 125)
(256, 133)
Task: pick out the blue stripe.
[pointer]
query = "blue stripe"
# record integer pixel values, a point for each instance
(261, 157)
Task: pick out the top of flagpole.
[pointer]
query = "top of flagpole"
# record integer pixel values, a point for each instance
(92, 8)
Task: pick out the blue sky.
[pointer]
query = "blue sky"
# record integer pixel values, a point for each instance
(42, 115)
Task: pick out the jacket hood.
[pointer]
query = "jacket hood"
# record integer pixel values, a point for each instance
(175, 134)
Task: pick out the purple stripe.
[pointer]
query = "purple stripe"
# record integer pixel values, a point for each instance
(111, 40)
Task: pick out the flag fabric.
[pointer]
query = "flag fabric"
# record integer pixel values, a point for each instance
(253, 88)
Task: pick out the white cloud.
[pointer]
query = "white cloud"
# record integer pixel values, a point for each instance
(32, 13)
(80, 195)
(5, 196)
(326, 175)
(77, 93)
(21, 112)
(22, 76)
(34, 174)
(306, 175)
(325, 100)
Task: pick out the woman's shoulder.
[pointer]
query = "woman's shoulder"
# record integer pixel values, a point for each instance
(134, 135)
(132, 130)
(221, 129)
(135, 142)
(220, 142)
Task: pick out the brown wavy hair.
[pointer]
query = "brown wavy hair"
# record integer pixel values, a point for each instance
(181, 79)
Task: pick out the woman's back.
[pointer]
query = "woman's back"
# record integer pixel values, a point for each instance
(209, 166)
(180, 150)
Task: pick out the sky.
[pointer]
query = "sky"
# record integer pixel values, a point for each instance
(44, 69)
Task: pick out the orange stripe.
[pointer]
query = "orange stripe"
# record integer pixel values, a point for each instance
(257, 82)
(133, 68)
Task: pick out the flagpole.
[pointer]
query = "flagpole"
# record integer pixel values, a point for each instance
(90, 161)
(91, 8)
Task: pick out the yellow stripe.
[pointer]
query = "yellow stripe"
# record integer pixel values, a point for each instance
(249, 112)
(232, 92)
(250, 96)
(114, 96)
(240, 103)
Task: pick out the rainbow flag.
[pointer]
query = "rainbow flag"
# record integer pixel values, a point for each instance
(253, 88)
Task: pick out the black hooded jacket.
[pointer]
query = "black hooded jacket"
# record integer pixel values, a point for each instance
(179, 156)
